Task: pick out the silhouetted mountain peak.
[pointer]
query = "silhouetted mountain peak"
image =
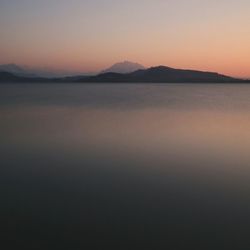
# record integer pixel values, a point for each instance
(124, 67)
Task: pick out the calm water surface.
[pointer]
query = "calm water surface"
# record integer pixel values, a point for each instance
(128, 166)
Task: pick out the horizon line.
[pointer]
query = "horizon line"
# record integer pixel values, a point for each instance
(99, 71)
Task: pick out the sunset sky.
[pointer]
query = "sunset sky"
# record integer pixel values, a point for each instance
(89, 35)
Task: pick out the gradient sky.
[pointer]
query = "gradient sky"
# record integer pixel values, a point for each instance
(88, 35)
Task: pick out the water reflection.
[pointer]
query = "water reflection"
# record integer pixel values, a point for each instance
(125, 162)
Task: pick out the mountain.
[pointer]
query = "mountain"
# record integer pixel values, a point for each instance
(162, 74)
(124, 67)
(13, 68)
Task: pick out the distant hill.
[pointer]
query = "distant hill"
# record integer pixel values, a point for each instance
(124, 67)
(10, 77)
(15, 69)
(42, 73)
(6, 77)
(11, 68)
(162, 74)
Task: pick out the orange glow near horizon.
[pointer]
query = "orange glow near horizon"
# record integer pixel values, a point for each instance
(90, 36)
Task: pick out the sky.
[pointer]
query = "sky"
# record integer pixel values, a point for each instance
(89, 35)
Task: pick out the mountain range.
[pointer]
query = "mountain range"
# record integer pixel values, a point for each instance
(121, 67)
(162, 74)
(159, 74)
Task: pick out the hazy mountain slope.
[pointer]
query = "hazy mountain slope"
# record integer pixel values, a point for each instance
(12, 68)
(10, 77)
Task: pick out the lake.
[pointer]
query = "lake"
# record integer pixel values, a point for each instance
(125, 165)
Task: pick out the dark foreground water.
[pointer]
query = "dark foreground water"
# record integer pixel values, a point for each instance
(140, 166)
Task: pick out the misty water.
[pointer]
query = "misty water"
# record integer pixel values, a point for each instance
(126, 165)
